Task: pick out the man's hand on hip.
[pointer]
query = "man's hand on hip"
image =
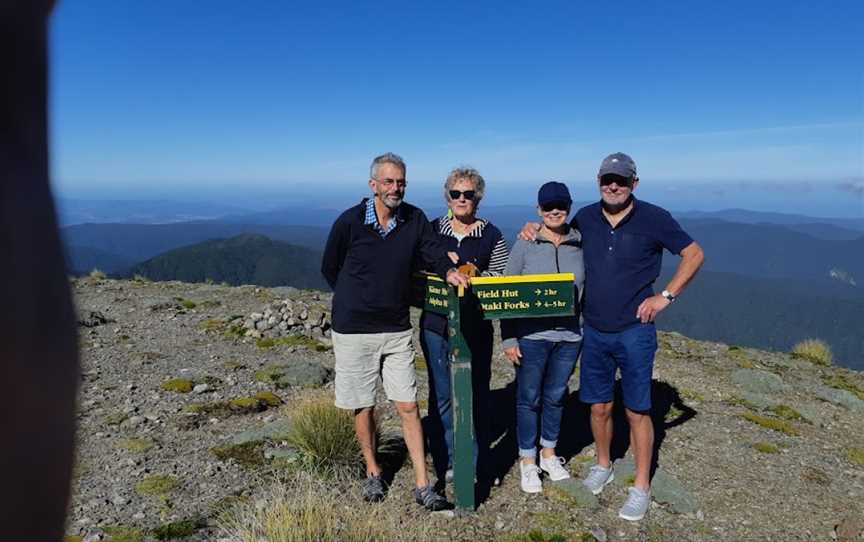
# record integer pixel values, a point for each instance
(651, 307)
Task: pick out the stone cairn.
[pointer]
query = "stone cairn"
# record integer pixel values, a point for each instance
(288, 317)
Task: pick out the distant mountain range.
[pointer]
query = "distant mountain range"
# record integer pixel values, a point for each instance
(245, 259)
(764, 284)
(767, 313)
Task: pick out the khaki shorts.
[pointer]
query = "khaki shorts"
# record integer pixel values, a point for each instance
(361, 357)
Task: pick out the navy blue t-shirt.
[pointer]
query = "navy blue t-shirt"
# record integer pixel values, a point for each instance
(622, 263)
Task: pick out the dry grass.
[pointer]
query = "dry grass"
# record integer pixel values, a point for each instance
(306, 508)
(814, 351)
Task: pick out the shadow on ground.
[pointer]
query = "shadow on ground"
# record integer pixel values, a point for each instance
(575, 430)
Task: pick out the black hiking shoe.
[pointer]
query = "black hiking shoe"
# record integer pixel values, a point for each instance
(373, 489)
(430, 500)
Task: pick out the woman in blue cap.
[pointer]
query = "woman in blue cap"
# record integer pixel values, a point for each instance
(544, 350)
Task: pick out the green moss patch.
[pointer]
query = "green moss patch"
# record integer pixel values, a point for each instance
(420, 362)
(235, 331)
(247, 404)
(115, 418)
(292, 340)
(786, 412)
(135, 445)
(856, 456)
(241, 405)
(213, 325)
(843, 382)
(270, 374)
(177, 529)
(157, 485)
(248, 454)
(265, 342)
(178, 385)
(765, 447)
(186, 303)
(781, 426)
(269, 397)
(120, 533)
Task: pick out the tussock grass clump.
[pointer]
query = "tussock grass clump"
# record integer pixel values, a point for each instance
(814, 351)
(310, 509)
(766, 447)
(96, 274)
(781, 426)
(324, 435)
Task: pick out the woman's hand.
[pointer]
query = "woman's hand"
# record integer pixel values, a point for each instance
(513, 354)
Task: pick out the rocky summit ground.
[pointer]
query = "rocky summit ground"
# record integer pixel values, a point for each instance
(175, 399)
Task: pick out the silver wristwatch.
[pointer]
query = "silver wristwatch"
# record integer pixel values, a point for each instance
(668, 295)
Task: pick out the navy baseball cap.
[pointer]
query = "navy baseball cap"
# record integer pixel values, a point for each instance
(553, 192)
(618, 164)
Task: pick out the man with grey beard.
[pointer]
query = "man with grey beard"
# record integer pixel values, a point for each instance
(371, 253)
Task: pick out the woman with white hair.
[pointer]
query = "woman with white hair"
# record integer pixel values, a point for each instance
(480, 244)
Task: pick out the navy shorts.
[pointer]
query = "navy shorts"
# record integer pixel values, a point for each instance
(631, 351)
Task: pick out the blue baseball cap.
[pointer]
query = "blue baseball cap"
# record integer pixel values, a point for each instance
(553, 192)
(618, 164)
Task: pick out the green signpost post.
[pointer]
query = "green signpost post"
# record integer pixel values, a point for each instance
(515, 296)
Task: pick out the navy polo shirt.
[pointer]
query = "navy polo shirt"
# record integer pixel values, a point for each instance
(622, 263)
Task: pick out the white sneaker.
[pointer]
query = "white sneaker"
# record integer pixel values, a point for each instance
(554, 467)
(530, 478)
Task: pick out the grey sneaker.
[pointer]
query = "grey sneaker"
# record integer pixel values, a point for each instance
(373, 489)
(636, 506)
(597, 478)
(431, 500)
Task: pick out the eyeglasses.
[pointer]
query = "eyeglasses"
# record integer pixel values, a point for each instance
(388, 183)
(555, 206)
(623, 182)
(456, 194)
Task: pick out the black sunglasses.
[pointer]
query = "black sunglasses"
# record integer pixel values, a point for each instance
(555, 206)
(469, 194)
(623, 182)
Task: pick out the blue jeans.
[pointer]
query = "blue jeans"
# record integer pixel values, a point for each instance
(541, 383)
(436, 352)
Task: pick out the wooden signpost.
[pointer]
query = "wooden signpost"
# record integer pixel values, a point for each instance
(514, 296)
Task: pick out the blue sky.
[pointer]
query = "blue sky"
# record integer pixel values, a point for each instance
(162, 96)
